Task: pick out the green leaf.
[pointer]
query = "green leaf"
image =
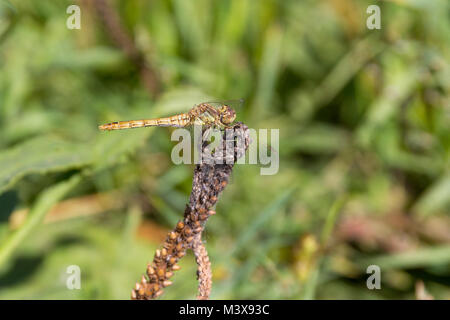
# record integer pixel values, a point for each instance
(317, 139)
(346, 68)
(426, 257)
(251, 230)
(332, 215)
(40, 155)
(37, 213)
(269, 69)
(8, 4)
(399, 85)
(435, 198)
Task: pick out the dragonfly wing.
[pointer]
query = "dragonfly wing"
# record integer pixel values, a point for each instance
(236, 105)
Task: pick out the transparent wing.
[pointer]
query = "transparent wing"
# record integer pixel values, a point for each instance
(236, 104)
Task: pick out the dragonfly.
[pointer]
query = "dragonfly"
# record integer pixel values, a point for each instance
(218, 114)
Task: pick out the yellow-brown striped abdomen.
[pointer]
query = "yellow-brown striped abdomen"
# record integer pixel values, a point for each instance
(179, 120)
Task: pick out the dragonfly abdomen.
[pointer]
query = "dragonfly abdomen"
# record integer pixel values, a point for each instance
(180, 120)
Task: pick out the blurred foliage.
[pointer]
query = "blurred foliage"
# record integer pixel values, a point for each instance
(364, 118)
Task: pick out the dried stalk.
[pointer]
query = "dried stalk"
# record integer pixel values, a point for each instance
(208, 182)
(204, 273)
(123, 41)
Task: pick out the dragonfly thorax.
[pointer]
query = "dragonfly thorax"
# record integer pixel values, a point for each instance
(205, 118)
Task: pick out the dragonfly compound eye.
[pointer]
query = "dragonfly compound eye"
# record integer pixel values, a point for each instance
(228, 115)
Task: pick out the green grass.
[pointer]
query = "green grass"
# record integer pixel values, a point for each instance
(364, 119)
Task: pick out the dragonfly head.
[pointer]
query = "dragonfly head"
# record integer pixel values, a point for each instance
(227, 115)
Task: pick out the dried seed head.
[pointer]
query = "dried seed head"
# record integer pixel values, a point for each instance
(150, 270)
(167, 283)
(180, 225)
(133, 295)
(198, 229)
(176, 267)
(137, 286)
(158, 293)
(160, 272)
(208, 182)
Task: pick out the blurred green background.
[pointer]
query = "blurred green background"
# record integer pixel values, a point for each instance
(364, 119)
